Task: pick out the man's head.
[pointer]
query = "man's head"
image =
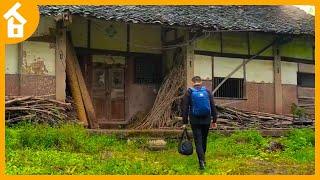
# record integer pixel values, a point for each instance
(196, 80)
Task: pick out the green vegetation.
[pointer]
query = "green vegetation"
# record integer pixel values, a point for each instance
(68, 149)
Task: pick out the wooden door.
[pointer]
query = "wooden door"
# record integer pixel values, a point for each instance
(108, 93)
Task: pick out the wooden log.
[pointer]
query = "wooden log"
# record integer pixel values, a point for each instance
(75, 91)
(88, 105)
(9, 102)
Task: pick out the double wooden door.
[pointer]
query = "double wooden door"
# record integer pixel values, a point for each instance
(107, 92)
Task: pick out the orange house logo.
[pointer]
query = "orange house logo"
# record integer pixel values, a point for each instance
(19, 19)
(15, 30)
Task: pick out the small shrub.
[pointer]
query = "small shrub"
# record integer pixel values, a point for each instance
(300, 138)
(249, 137)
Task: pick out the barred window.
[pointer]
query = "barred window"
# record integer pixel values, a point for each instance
(232, 88)
(148, 70)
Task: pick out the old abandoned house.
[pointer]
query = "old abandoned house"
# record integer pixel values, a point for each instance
(124, 52)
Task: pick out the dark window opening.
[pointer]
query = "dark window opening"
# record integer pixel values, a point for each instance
(306, 79)
(232, 88)
(148, 70)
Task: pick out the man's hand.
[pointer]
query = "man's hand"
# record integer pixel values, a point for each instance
(213, 125)
(183, 126)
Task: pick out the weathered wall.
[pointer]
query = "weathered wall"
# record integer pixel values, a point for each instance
(12, 59)
(79, 31)
(12, 77)
(306, 92)
(139, 97)
(306, 68)
(300, 47)
(289, 96)
(223, 66)
(259, 71)
(107, 35)
(289, 73)
(259, 82)
(36, 75)
(203, 67)
(145, 38)
(38, 58)
(38, 68)
(46, 27)
(259, 98)
(113, 36)
(242, 43)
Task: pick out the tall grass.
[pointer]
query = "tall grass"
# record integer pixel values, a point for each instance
(69, 149)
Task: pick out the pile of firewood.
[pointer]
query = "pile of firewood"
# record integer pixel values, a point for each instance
(231, 118)
(39, 109)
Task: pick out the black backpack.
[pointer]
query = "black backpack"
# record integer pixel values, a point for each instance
(185, 145)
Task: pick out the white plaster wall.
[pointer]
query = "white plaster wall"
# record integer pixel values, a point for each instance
(259, 71)
(203, 67)
(11, 59)
(46, 24)
(38, 58)
(289, 73)
(223, 66)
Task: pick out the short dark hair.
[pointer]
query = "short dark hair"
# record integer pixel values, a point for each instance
(196, 79)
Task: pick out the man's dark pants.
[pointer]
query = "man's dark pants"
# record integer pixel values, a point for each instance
(200, 133)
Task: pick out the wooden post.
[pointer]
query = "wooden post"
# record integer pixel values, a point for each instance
(277, 80)
(60, 63)
(189, 59)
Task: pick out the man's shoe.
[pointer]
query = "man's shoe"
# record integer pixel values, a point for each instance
(201, 165)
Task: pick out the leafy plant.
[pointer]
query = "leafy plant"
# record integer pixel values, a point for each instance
(298, 111)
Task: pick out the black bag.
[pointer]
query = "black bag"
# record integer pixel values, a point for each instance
(185, 145)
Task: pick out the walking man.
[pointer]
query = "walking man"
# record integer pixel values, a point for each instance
(198, 105)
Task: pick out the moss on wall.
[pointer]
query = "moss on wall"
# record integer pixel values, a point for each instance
(300, 47)
(212, 43)
(236, 43)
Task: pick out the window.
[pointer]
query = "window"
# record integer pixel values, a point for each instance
(306, 79)
(148, 70)
(232, 88)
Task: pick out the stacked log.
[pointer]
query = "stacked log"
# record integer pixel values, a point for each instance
(232, 118)
(39, 109)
